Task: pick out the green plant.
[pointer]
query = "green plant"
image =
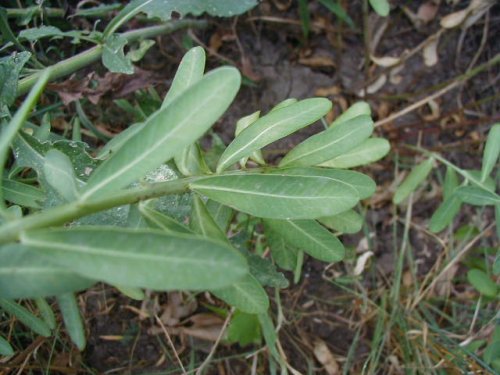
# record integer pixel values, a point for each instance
(74, 220)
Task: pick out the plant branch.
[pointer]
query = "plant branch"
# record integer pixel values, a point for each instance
(456, 82)
(36, 11)
(71, 65)
(59, 215)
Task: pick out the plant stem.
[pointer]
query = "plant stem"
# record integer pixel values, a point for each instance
(62, 214)
(35, 10)
(17, 122)
(459, 170)
(71, 65)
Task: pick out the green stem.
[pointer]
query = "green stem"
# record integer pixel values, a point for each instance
(36, 11)
(459, 170)
(59, 215)
(17, 122)
(71, 65)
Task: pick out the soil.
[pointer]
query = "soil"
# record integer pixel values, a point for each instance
(269, 47)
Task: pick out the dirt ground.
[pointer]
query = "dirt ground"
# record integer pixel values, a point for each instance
(269, 47)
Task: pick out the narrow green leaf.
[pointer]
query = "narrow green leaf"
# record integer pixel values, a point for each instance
(244, 329)
(25, 274)
(10, 67)
(119, 140)
(241, 125)
(482, 282)
(203, 223)
(445, 213)
(246, 295)
(369, 151)
(355, 110)
(310, 236)
(337, 9)
(305, 18)
(413, 180)
(72, 319)
(5, 348)
(497, 218)
(474, 174)
(347, 222)
(113, 56)
(25, 316)
(283, 104)
(161, 221)
(279, 196)
(265, 272)
(22, 194)
(270, 335)
(330, 143)
(140, 257)
(131, 292)
(138, 53)
(491, 151)
(361, 183)
(221, 214)
(476, 196)
(46, 312)
(190, 161)
(382, 7)
(450, 182)
(284, 254)
(167, 132)
(273, 126)
(59, 174)
(189, 72)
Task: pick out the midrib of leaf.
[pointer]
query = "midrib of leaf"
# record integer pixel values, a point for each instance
(316, 150)
(117, 254)
(153, 149)
(252, 192)
(258, 137)
(312, 238)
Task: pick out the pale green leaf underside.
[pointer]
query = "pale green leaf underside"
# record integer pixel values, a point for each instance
(246, 295)
(72, 319)
(491, 151)
(140, 257)
(25, 274)
(311, 237)
(279, 195)
(273, 126)
(189, 72)
(330, 143)
(167, 132)
(413, 180)
(347, 222)
(371, 150)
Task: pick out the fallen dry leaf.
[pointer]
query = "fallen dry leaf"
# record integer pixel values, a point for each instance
(361, 263)
(177, 308)
(430, 52)
(427, 11)
(385, 61)
(326, 358)
(454, 19)
(328, 91)
(374, 87)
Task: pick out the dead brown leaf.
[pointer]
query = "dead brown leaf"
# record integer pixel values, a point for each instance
(94, 87)
(177, 308)
(427, 11)
(317, 61)
(326, 358)
(328, 91)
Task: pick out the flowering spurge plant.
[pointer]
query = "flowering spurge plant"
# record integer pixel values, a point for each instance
(151, 210)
